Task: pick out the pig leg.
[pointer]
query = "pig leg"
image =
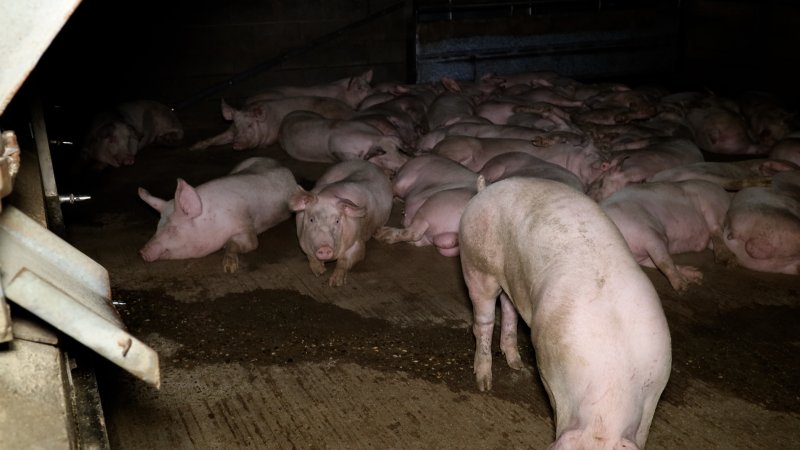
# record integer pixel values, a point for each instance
(391, 235)
(240, 243)
(317, 266)
(483, 291)
(722, 254)
(226, 137)
(343, 264)
(508, 333)
(679, 276)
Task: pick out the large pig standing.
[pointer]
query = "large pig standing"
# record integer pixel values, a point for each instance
(115, 137)
(227, 212)
(600, 335)
(338, 216)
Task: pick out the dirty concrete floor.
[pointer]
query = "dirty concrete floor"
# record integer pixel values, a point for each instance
(271, 357)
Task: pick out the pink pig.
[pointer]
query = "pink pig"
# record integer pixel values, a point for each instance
(601, 339)
(257, 123)
(227, 212)
(338, 216)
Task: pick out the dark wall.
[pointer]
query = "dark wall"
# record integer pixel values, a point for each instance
(170, 50)
(735, 45)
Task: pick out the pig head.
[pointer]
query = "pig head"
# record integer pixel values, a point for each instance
(176, 235)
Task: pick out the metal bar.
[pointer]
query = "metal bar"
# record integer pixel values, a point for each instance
(291, 53)
(55, 218)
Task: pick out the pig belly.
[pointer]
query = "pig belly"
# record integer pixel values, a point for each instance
(600, 335)
(764, 242)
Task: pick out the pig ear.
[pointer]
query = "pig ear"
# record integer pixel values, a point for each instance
(227, 110)
(187, 200)
(155, 202)
(350, 209)
(301, 199)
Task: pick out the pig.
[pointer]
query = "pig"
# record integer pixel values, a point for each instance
(542, 138)
(660, 219)
(434, 222)
(636, 166)
(746, 173)
(516, 164)
(307, 136)
(601, 339)
(766, 119)
(762, 226)
(349, 202)
(435, 191)
(227, 212)
(585, 160)
(351, 90)
(257, 123)
(787, 149)
(721, 130)
(115, 137)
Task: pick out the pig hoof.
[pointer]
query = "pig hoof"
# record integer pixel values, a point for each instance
(337, 279)
(484, 383)
(230, 263)
(515, 362)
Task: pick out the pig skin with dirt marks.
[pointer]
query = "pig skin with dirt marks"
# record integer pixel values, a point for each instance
(227, 212)
(597, 326)
(349, 202)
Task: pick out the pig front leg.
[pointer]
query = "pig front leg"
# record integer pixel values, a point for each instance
(240, 243)
(226, 137)
(344, 263)
(317, 266)
(483, 291)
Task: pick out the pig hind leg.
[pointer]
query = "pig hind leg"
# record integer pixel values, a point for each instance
(224, 138)
(508, 332)
(240, 243)
(483, 291)
(391, 235)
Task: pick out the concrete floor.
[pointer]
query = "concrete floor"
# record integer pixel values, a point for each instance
(271, 357)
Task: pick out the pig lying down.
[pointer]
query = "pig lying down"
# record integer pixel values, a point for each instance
(435, 191)
(660, 219)
(349, 202)
(256, 124)
(115, 137)
(762, 227)
(227, 212)
(600, 335)
(307, 136)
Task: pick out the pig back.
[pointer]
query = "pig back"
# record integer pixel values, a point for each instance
(362, 183)
(541, 238)
(262, 186)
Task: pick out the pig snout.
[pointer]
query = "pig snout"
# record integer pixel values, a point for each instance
(324, 253)
(151, 252)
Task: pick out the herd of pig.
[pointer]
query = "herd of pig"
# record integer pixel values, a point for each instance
(552, 191)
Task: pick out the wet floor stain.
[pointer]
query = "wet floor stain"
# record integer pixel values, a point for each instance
(281, 327)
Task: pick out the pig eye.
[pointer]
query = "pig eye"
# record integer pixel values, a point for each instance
(337, 221)
(311, 219)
